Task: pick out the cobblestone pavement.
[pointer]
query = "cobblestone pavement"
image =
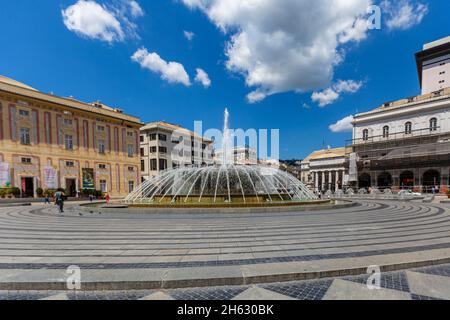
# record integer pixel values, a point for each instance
(413, 284)
(37, 244)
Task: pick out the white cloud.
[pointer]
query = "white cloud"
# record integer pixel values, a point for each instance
(330, 95)
(344, 125)
(256, 96)
(189, 35)
(292, 46)
(109, 23)
(203, 78)
(172, 72)
(325, 97)
(403, 14)
(135, 8)
(92, 20)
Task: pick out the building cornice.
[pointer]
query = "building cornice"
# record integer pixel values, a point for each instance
(22, 92)
(437, 103)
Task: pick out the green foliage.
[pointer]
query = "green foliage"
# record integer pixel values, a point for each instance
(87, 192)
(15, 192)
(39, 192)
(49, 192)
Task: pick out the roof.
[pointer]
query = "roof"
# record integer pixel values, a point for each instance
(443, 94)
(14, 87)
(436, 43)
(430, 51)
(172, 127)
(15, 83)
(325, 154)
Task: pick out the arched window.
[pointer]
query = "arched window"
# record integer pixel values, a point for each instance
(433, 124)
(365, 134)
(408, 128)
(385, 132)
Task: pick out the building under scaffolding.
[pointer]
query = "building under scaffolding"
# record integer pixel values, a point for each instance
(406, 144)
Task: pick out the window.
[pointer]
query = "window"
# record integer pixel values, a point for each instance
(25, 136)
(175, 165)
(162, 137)
(68, 142)
(103, 185)
(67, 122)
(153, 165)
(408, 128)
(130, 150)
(152, 136)
(203, 146)
(101, 146)
(70, 164)
(129, 134)
(102, 166)
(142, 165)
(141, 138)
(162, 164)
(152, 149)
(131, 169)
(442, 81)
(442, 72)
(386, 132)
(433, 124)
(130, 186)
(24, 113)
(163, 149)
(142, 152)
(365, 134)
(100, 128)
(26, 160)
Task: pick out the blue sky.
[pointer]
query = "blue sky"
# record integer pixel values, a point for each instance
(42, 49)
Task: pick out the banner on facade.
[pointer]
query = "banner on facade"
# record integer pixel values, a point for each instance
(50, 178)
(5, 176)
(88, 178)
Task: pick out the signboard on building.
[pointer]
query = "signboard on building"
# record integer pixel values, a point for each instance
(88, 178)
(50, 178)
(5, 176)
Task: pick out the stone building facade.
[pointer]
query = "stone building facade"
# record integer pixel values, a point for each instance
(405, 144)
(52, 142)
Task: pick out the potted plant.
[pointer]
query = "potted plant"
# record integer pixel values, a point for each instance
(39, 192)
(15, 192)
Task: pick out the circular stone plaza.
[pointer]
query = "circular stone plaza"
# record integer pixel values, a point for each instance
(272, 253)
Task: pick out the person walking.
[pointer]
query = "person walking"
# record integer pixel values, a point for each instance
(47, 199)
(59, 200)
(107, 198)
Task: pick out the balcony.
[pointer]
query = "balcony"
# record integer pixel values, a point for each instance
(393, 137)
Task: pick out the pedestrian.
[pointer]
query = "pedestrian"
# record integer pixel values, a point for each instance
(91, 198)
(107, 198)
(47, 199)
(59, 200)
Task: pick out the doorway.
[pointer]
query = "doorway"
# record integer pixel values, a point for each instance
(71, 187)
(27, 187)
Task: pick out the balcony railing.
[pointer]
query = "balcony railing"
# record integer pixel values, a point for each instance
(426, 132)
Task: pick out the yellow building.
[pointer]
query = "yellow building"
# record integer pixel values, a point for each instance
(51, 142)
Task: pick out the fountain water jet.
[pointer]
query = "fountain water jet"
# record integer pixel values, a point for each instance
(224, 184)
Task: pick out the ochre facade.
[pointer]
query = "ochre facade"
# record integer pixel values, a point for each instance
(48, 141)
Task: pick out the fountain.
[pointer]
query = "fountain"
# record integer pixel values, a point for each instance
(223, 184)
